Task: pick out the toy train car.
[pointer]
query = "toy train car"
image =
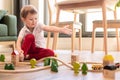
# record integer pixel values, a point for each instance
(97, 67)
(117, 65)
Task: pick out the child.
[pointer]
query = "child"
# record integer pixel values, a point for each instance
(31, 42)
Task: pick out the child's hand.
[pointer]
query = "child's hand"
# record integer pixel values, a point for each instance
(21, 55)
(66, 30)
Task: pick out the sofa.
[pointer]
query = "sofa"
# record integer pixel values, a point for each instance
(8, 26)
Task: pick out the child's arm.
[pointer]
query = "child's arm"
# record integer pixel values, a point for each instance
(64, 29)
(21, 55)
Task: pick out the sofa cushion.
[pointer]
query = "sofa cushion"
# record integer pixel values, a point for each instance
(2, 13)
(11, 22)
(3, 30)
(8, 38)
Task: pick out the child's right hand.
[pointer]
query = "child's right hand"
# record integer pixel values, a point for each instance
(66, 30)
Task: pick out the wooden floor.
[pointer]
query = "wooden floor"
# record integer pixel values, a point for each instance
(64, 72)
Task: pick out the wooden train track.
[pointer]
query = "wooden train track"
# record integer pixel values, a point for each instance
(24, 67)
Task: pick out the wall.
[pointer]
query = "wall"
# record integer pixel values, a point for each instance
(65, 44)
(35, 3)
(7, 5)
(39, 4)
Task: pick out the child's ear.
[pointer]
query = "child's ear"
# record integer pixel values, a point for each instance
(23, 19)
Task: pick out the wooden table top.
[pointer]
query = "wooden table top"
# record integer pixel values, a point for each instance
(80, 4)
(79, 1)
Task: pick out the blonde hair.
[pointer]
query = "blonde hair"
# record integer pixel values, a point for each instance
(28, 9)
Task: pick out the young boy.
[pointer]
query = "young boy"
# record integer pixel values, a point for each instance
(31, 42)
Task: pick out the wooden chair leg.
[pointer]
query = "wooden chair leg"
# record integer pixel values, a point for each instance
(118, 41)
(55, 39)
(103, 44)
(48, 40)
(93, 40)
(117, 37)
(80, 39)
(73, 40)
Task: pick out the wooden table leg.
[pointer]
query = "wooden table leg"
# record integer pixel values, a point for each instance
(105, 25)
(117, 31)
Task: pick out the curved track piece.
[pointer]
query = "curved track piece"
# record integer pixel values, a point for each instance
(66, 64)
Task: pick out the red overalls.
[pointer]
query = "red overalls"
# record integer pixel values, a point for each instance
(28, 46)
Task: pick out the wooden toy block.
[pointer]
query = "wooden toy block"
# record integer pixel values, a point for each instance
(109, 74)
(74, 58)
(15, 58)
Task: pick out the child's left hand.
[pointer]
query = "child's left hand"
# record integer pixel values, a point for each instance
(66, 30)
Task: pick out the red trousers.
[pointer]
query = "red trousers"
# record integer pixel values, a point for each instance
(28, 46)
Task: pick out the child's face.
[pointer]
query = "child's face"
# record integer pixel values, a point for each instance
(30, 20)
